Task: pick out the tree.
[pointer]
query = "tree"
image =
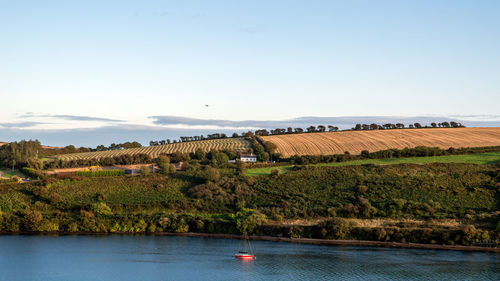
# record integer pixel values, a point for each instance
(235, 135)
(32, 220)
(311, 129)
(298, 130)
(433, 124)
(417, 125)
(365, 154)
(332, 128)
(262, 132)
(289, 130)
(211, 174)
(373, 126)
(247, 220)
(145, 170)
(219, 160)
(321, 128)
(163, 163)
(357, 127)
(200, 154)
(275, 172)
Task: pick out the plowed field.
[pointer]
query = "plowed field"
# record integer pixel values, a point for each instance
(232, 144)
(356, 141)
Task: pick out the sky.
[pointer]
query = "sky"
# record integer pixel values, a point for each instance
(112, 70)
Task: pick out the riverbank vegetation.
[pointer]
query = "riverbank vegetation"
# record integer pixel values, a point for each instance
(443, 203)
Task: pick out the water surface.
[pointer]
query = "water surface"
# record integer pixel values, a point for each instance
(127, 257)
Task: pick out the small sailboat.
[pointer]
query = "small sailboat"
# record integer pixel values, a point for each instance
(247, 253)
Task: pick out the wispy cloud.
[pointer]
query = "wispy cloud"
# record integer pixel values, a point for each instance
(69, 117)
(342, 122)
(21, 125)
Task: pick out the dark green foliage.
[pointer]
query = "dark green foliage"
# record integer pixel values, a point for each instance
(419, 191)
(218, 200)
(259, 150)
(420, 151)
(219, 159)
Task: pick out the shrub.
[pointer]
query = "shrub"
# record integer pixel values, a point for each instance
(101, 209)
(211, 174)
(335, 228)
(32, 220)
(145, 170)
(275, 172)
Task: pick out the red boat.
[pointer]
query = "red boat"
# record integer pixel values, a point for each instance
(244, 255)
(247, 253)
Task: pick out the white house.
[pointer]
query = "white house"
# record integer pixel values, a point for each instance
(248, 158)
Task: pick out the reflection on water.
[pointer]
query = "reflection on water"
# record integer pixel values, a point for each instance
(118, 257)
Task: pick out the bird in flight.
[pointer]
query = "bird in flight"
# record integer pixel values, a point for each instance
(206, 105)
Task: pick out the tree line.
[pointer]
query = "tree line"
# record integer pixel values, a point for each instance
(390, 126)
(310, 129)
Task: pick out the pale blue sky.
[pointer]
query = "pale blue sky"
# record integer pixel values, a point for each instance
(259, 60)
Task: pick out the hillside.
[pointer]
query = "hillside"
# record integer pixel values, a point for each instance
(2, 143)
(232, 144)
(354, 142)
(432, 203)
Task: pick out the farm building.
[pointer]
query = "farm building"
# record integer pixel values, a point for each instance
(248, 158)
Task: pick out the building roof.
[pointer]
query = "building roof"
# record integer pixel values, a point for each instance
(249, 155)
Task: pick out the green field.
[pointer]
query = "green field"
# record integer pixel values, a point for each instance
(9, 173)
(479, 158)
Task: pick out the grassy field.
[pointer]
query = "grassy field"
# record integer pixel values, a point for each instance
(329, 143)
(9, 173)
(480, 158)
(232, 144)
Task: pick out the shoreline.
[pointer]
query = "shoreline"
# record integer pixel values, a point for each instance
(313, 241)
(327, 242)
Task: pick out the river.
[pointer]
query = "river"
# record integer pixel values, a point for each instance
(142, 257)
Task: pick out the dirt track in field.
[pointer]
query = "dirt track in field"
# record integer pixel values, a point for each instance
(356, 141)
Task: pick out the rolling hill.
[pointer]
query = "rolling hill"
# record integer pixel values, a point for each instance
(233, 144)
(354, 142)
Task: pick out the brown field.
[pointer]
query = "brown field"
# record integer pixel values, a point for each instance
(356, 141)
(232, 144)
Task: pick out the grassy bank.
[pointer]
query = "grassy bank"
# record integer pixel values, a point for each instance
(399, 203)
(479, 158)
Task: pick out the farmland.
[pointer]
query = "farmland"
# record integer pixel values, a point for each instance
(479, 158)
(354, 142)
(232, 144)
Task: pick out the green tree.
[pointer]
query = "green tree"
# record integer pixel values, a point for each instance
(247, 220)
(211, 174)
(163, 163)
(219, 160)
(145, 170)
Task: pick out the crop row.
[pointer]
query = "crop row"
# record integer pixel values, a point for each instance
(232, 144)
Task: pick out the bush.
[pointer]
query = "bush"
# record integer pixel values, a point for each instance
(32, 220)
(211, 174)
(101, 209)
(335, 228)
(219, 160)
(145, 170)
(275, 172)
